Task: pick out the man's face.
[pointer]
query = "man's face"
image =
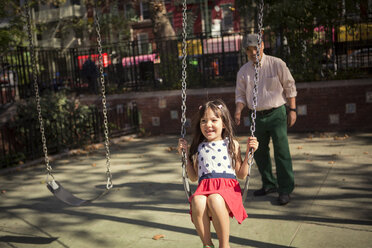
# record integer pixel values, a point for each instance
(252, 51)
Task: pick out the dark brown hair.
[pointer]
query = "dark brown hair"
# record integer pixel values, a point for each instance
(220, 110)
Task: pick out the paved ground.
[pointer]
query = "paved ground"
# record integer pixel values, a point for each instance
(331, 205)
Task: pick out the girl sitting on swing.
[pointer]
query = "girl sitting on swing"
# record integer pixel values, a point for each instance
(215, 159)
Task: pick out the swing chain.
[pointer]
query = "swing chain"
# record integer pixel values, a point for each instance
(255, 93)
(109, 183)
(184, 76)
(184, 72)
(256, 68)
(184, 87)
(256, 77)
(36, 89)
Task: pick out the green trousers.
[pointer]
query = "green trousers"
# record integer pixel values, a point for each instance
(274, 125)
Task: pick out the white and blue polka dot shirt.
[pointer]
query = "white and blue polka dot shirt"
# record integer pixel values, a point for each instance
(214, 161)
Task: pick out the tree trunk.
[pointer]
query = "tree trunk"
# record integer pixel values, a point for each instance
(166, 42)
(162, 27)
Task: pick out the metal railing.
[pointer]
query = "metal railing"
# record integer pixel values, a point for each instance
(20, 142)
(213, 61)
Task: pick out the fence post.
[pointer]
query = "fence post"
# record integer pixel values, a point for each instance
(202, 64)
(135, 66)
(223, 53)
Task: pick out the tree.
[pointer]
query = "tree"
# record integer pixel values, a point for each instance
(114, 25)
(296, 25)
(166, 40)
(303, 30)
(162, 26)
(244, 8)
(12, 22)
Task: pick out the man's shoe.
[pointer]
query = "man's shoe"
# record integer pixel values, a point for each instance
(264, 191)
(283, 198)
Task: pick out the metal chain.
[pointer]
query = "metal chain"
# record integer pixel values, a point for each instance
(184, 67)
(36, 89)
(184, 87)
(255, 93)
(256, 75)
(109, 183)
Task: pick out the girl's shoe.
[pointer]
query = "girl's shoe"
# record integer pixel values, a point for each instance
(208, 246)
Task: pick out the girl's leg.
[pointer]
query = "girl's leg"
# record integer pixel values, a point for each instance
(201, 219)
(220, 218)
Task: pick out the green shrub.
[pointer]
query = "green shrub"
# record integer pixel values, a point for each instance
(67, 122)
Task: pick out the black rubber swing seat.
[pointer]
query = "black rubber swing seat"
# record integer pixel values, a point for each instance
(54, 186)
(64, 195)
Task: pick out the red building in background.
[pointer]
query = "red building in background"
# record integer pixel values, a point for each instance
(210, 17)
(205, 16)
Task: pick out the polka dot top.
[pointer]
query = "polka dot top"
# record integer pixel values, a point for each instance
(213, 158)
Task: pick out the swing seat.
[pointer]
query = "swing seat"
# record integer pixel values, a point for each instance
(54, 186)
(64, 195)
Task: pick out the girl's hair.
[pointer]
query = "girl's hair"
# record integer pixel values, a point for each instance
(220, 110)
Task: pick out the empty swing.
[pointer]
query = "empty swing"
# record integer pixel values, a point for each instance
(183, 96)
(53, 185)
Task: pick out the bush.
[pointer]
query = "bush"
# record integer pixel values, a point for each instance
(67, 123)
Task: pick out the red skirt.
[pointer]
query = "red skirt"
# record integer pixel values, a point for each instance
(229, 189)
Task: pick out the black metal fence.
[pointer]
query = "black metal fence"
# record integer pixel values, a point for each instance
(213, 61)
(22, 142)
(344, 51)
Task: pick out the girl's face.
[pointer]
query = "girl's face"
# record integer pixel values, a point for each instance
(211, 126)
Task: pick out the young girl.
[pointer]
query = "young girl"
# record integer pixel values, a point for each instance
(215, 159)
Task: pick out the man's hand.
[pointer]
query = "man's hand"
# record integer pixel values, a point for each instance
(291, 115)
(291, 118)
(238, 112)
(237, 116)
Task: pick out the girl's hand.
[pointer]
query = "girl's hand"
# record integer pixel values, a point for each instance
(252, 143)
(182, 145)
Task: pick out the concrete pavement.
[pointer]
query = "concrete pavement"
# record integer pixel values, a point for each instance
(331, 205)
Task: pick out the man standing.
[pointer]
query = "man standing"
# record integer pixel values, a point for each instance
(90, 74)
(276, 88)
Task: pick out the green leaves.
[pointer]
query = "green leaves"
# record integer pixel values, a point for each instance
(12, 23)
(66, 120)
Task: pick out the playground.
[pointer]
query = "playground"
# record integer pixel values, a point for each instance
(331, 205)
(137, 186)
